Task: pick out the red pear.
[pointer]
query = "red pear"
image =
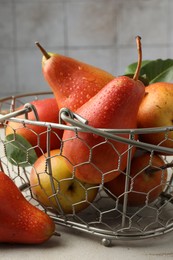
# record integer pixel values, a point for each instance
(72, 82)
(156, 110)
(20, 221)
(26, 142)
(147, 180)
(115, 106)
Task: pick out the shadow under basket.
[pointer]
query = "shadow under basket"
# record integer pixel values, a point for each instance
(106, 215)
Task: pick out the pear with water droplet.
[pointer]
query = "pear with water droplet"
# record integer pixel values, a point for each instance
(95, 159)
(72, 82)
(20, 221)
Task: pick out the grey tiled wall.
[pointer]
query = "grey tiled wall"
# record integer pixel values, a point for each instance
(99, 32)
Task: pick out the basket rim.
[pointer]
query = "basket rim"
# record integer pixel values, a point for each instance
(72, 121)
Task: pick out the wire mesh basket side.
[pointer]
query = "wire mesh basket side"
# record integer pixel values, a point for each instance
(104, 214)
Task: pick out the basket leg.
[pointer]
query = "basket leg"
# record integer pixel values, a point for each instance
(106, 242)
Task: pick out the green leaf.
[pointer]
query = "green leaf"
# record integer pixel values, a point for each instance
(19, 151)
(166, 76)
(132, 67)
(154, 70)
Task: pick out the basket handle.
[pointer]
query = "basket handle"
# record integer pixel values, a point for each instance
(76, 120)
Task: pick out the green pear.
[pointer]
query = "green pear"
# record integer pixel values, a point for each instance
(58, 190)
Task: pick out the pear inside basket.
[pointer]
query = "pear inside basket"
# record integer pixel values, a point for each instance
(107, 182)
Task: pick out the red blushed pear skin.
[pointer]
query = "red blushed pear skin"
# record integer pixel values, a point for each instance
(20, 221)
(36, 135)
(115, 106)
(72, 82)
(156, 110)
(145, 183)
(72, 195)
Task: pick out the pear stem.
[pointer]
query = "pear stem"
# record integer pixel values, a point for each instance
(55, 233)
(163, 167)
(45, 54)
(139, 48)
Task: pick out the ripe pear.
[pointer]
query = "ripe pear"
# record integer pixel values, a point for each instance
(147, 180)
(115, 106)
(20, 221)
(156, 110)
(72, 82)
(68, 195)
(26, 142)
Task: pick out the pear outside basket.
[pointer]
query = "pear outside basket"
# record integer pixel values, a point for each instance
(104, 217)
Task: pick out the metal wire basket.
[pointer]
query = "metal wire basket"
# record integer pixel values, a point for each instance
(107, 216)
